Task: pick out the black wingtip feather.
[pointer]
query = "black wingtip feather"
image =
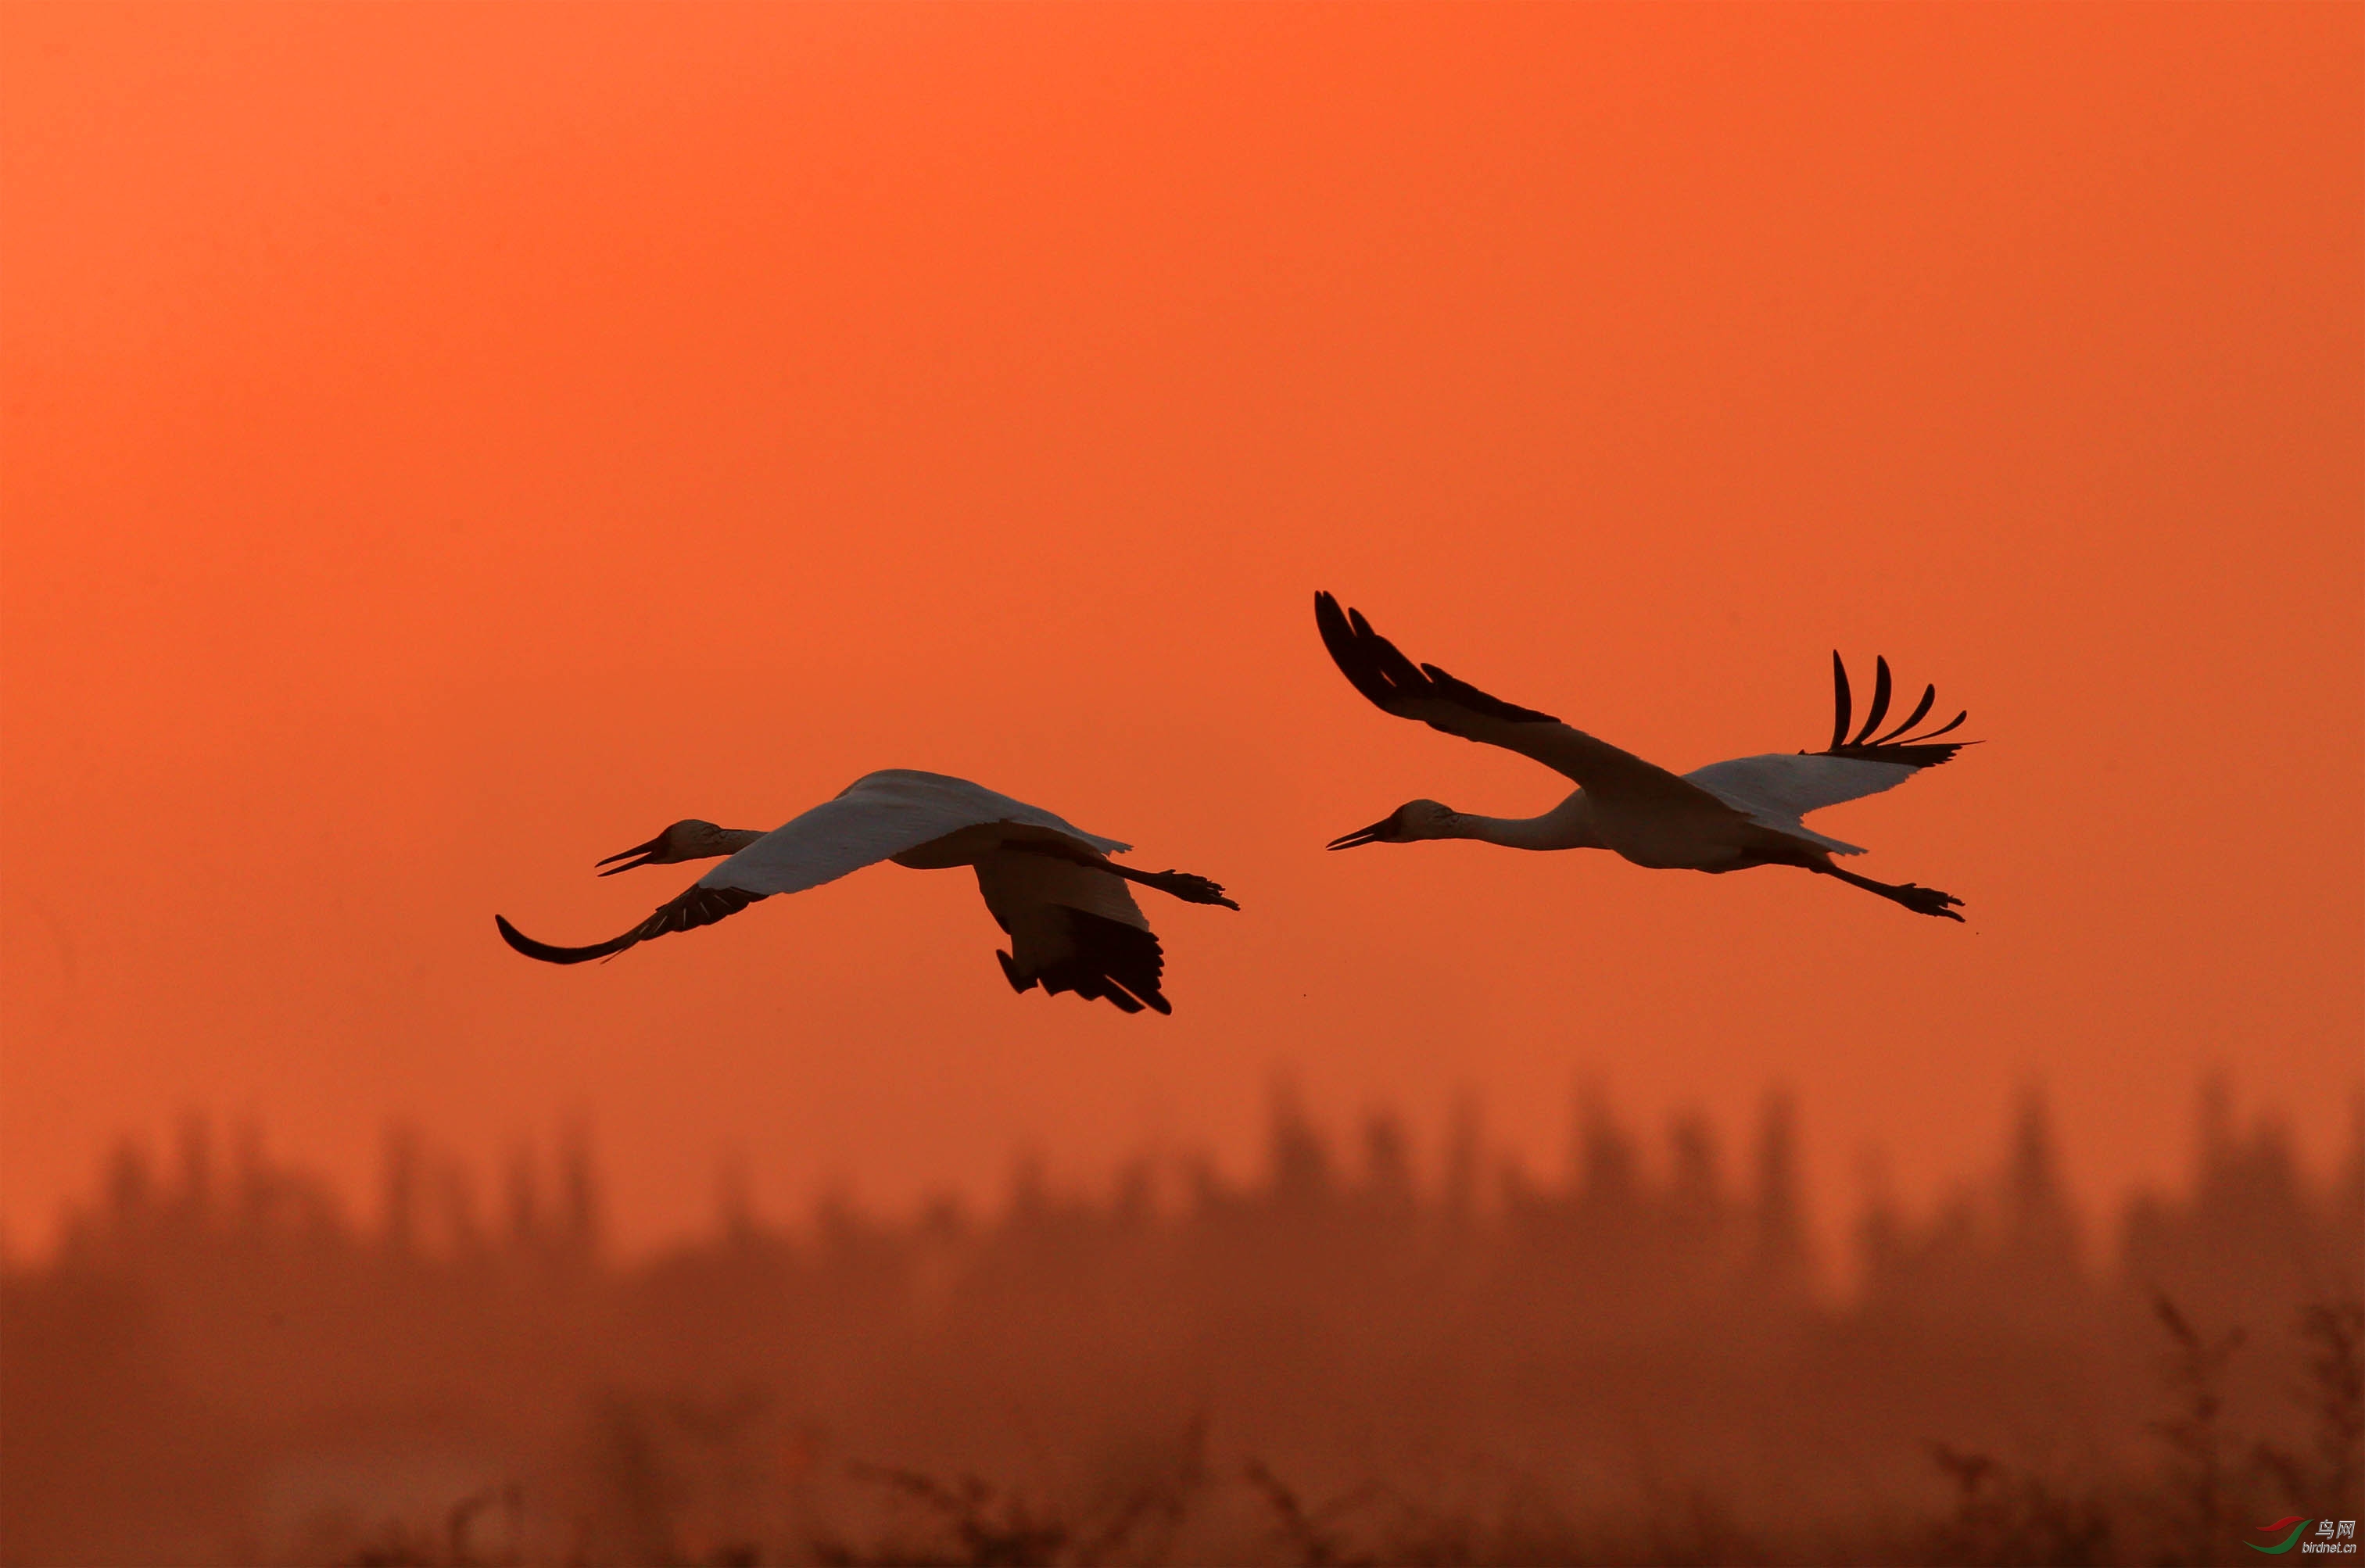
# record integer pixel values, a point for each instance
(1378, 668)
(1949, 724)
(550, 955)
(1840, 701)
(697, 905)
(1880, 687)
(1896, 744)
(1339, 637)
(1113, 962)
(1913, 756)
(1929, 695)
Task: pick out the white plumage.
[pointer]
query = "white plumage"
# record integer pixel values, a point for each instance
(1780, 787)
(878, 816)
(1728, 816)
(1052, 886)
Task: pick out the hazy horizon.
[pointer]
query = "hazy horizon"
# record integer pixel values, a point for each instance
(1430, 1147)
(1642, 1360)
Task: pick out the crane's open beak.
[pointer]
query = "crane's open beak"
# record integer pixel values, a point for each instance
(1375, 834)
(647, 853)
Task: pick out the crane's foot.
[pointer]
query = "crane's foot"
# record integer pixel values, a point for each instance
(1184, 885)
(1919, 900)
(1928, 901)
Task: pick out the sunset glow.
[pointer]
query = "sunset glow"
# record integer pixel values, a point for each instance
(445, 444)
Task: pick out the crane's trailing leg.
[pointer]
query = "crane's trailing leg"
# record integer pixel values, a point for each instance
(1184, 885)
(1919, 900)
(1188, 886)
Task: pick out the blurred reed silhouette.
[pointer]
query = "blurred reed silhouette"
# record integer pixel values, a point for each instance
(1337, 1362)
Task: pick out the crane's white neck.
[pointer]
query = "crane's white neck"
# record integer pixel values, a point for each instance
(1568, 825)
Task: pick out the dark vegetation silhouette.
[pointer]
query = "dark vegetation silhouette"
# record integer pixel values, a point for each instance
(1353, 1358)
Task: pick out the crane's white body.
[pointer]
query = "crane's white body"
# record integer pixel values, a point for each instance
(899, 814)
(1728, 816)
(1778, 789)
(1072, 921)
(1773, 791)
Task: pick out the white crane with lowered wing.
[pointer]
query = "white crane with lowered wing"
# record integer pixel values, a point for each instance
(1052, 886)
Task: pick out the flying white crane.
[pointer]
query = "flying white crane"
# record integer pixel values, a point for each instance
(1052, 886)
(1727, 817)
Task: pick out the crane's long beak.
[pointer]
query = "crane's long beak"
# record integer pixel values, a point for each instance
(647, 853)
(1375, 834)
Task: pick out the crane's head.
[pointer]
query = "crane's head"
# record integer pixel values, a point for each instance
(1414, 819)
(688, 839)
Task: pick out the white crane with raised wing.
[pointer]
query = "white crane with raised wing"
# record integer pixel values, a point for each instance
(1727, 817)
(1052, 886)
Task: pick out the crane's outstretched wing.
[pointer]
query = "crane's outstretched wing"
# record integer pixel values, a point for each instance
(1072, 927)
(875, 818)
(1780, 788)
(1396, 685)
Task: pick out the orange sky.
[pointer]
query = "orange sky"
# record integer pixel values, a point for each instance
(445, 444)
